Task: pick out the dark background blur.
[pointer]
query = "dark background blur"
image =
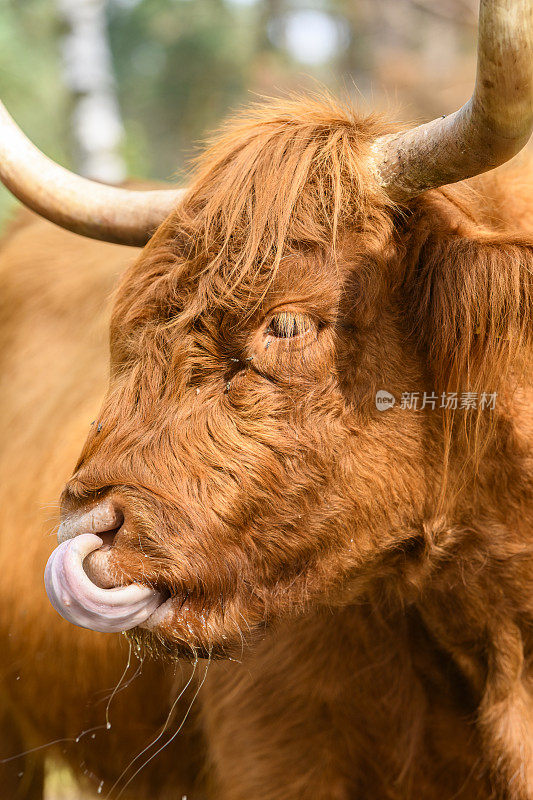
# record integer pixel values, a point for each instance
(115, 88)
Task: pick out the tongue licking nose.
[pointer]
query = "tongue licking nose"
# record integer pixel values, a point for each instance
(79, 578)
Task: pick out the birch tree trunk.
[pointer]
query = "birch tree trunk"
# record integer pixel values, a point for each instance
(96, 122)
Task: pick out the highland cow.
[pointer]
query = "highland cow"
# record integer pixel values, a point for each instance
(350, 579)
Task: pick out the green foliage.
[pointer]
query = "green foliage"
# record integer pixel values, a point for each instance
(180, 65)
(30, 78)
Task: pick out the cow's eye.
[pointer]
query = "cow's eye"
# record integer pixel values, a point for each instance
(288, 325)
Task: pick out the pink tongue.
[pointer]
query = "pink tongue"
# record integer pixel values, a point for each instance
(74, 595)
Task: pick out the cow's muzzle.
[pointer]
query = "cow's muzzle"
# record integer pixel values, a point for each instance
(80, 580)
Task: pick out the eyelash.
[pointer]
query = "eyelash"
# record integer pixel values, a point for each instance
(289, 325)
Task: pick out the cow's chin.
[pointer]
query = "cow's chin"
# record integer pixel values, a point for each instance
(189, 629)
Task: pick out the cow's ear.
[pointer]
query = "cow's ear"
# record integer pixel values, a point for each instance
(468, 292)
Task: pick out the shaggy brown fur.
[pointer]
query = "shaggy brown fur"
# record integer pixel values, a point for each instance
(371, 571)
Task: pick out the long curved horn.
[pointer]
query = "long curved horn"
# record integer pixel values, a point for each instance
(490, 129)
(83, 206)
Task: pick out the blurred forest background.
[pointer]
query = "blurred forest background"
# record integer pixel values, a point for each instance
(116, 88)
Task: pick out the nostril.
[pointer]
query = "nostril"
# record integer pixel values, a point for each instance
(108, 537)
(103, 519)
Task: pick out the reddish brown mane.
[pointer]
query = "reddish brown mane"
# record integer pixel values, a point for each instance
(281, 176)
(470, 285)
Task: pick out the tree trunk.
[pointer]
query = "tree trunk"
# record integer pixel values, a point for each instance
(96, 123)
